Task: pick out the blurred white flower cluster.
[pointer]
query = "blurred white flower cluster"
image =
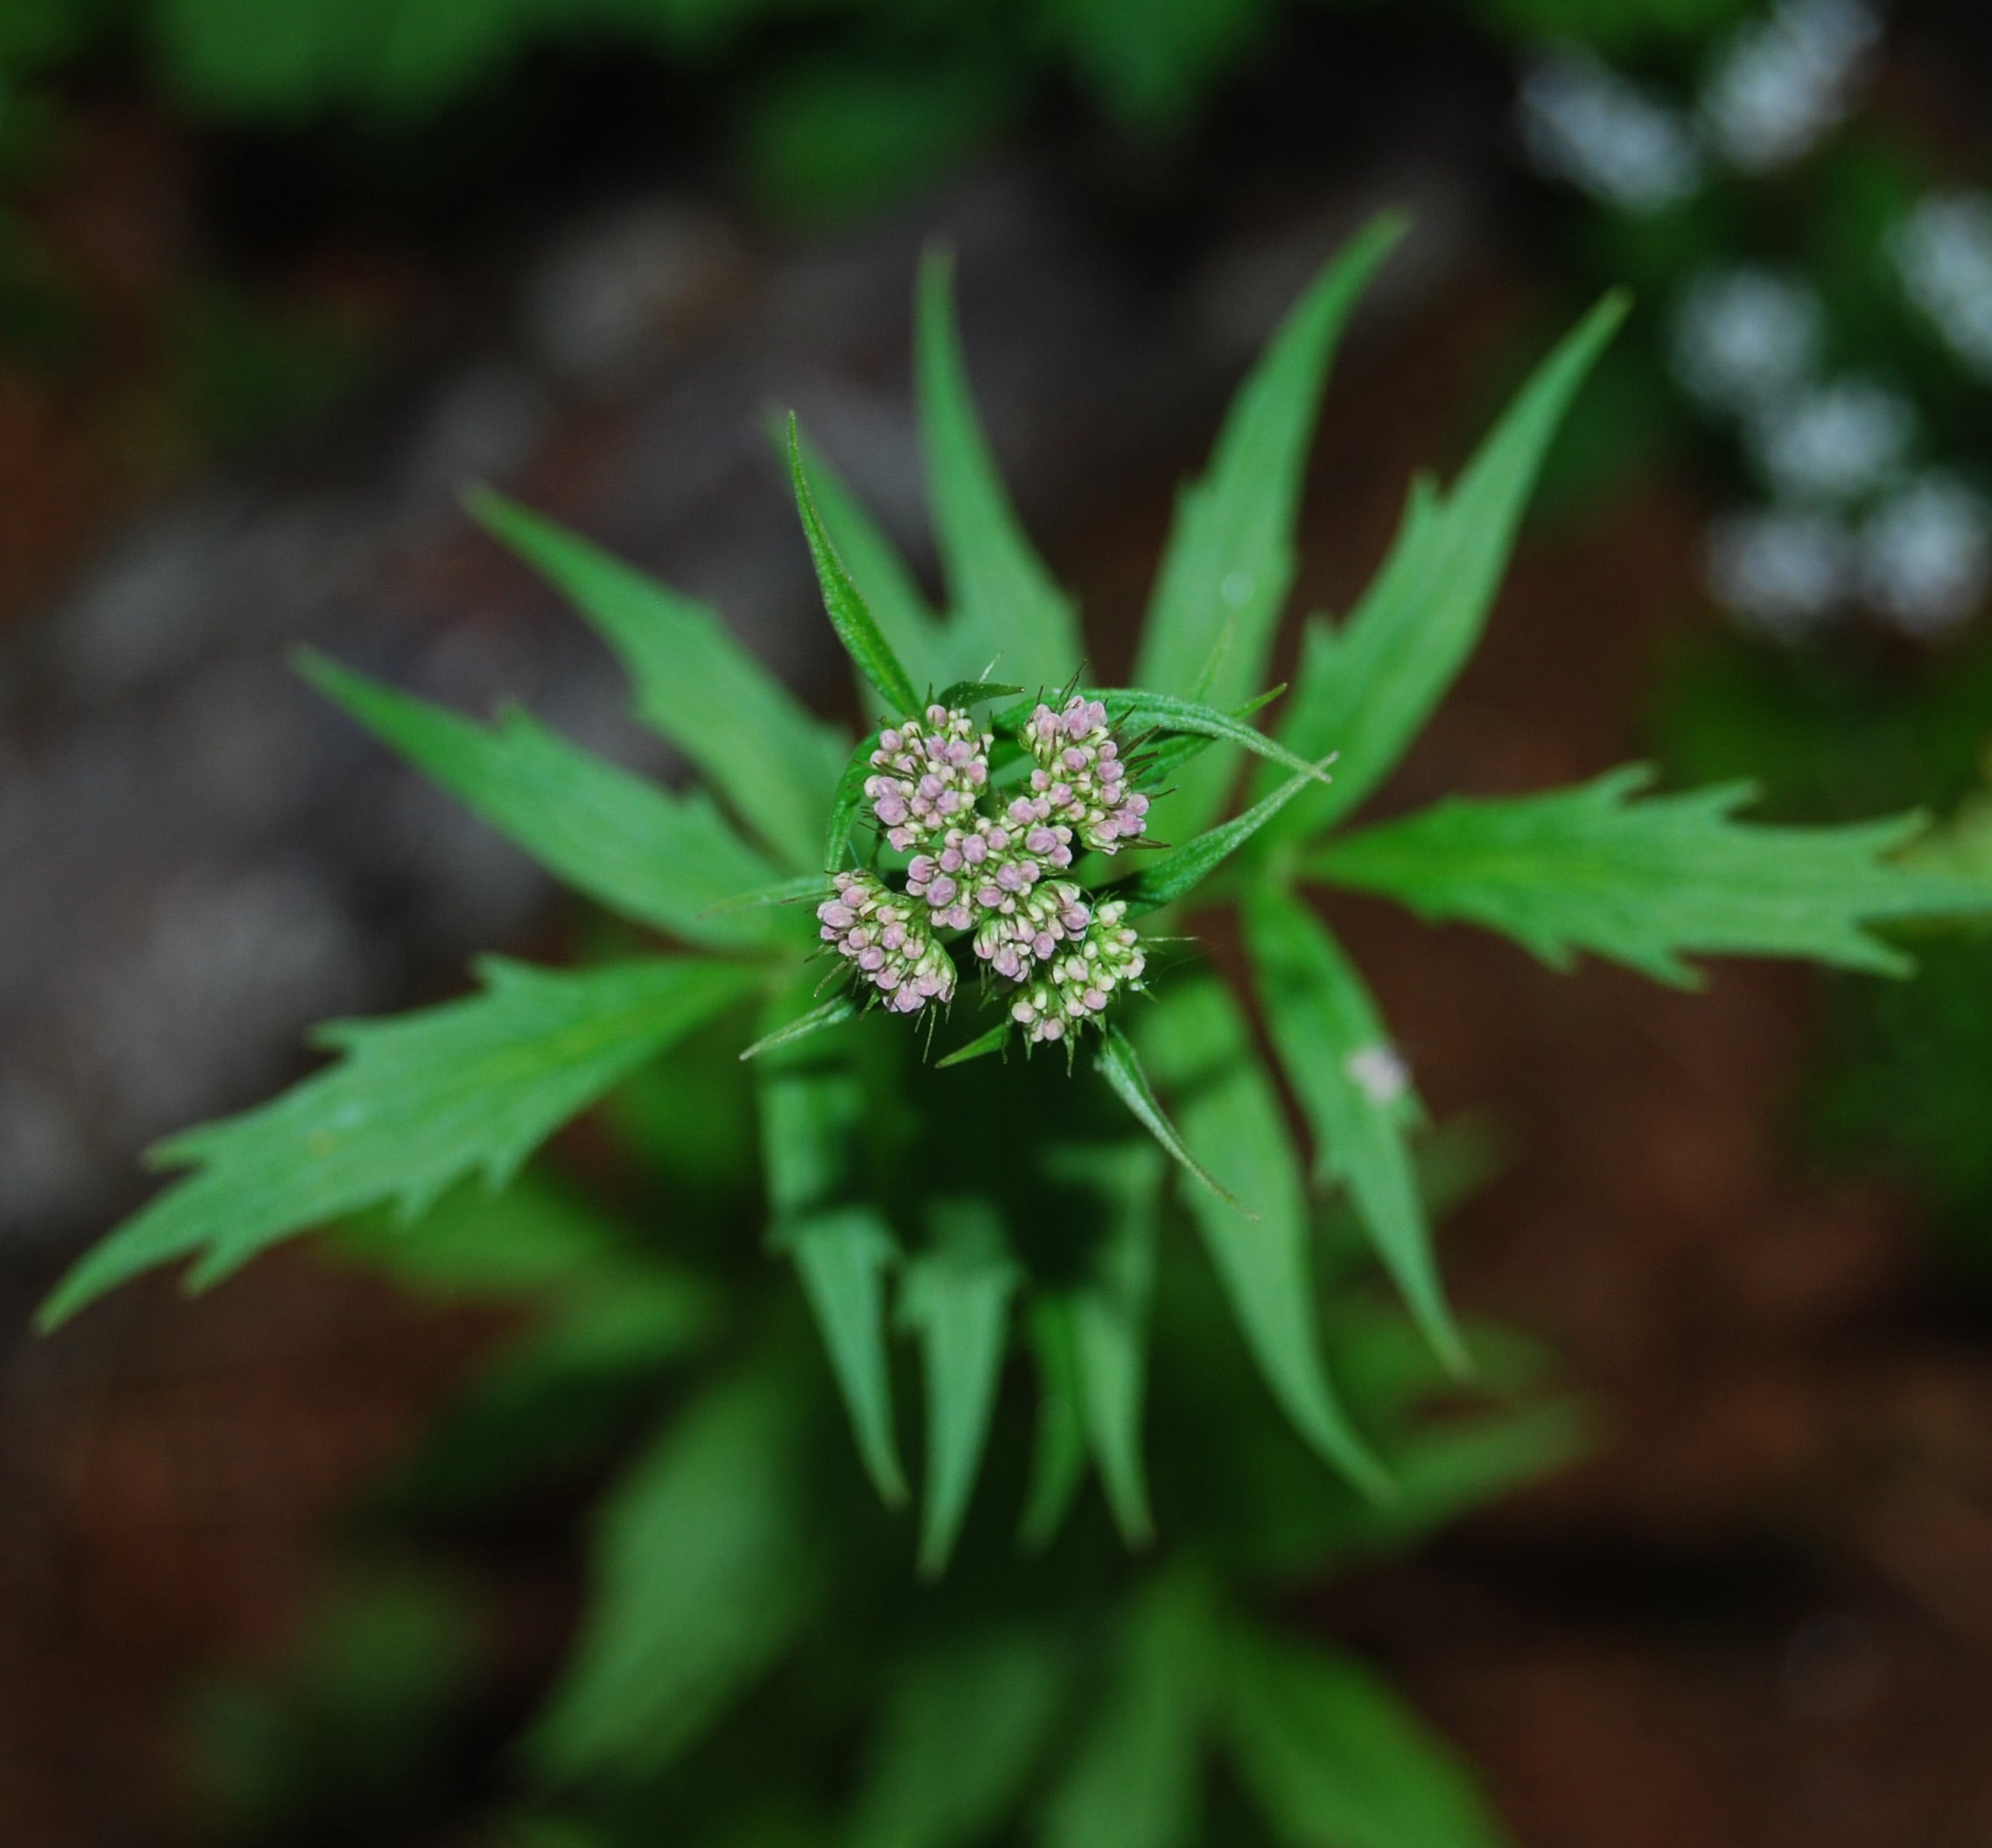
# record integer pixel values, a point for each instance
(1853, 514)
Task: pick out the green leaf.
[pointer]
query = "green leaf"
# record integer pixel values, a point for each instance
(1162, 759)
(911, 630)
(1328, 1753)
(1230, 561)
(957, 1299)
(783, 891)
(660, 860)
(1175, 875)
(850, 615)
(1121, 1066)
(417, 1103)
(979, 1047)
(1323, 1022)
(812, 1106)
(1132, 1782)
(1197, 1037)
(974, 692)
(843, 1256)
(1648, 882)
(1367, 689)
(848, 802)
(1057, 1460)
(695, 683)
(817, 1020)
(1004, 599)
(705, 1567)
(1133, 710)
(963, 1725)
(1110, 1331)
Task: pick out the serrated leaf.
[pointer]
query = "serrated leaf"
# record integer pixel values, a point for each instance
(1323, 1022)
(1367, 689)
(1177, 874)
(1132, 1781)
(664, 860)
(843, 1256)
(863, 641)
(417, 1103)
(914, 633)
(817, 1020)
(956, 1299)
(1328, 1753)
(848, 802)
(695, 683)
(1110, 1331)
(962, 1727)
(1121, 1066)
(1648, 882)
(705, 1565)
(1196, 1037)
(1230, 560)
(1057, 1456)
(1004, 599)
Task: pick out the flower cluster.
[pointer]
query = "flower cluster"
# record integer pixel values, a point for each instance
(995, 875)
(1080, 781)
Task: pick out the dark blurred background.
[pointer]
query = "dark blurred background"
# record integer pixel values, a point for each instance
(279, 277)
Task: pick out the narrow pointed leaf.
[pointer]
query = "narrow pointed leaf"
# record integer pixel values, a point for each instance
(1131, 709)
(973, 692)
(1132, 1782)
(1058, 1459)
(694, 682)
(1121, 1066)
(849, 616)
(1163, 758)
(1110, 1333)
(1324, 1027)
(1648, 882)
(705, 1566)
(417, 1103)
(818, 1019)
(1230, 562)
(1203, 1056)
(1004, 599)
(1177, 874)
(1367, 690)
(783, 891)
(957, 1299)
(979, 1047)
(848, 803)
(915, 634)
(843, 1256)
(664, 860)
(1329, 1754)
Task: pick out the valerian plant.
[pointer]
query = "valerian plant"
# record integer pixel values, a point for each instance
(905, 920)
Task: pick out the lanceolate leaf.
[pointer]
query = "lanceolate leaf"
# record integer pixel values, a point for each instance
(695, 683)
(812, 1105)
(979, 1047)
(1648, 882)
(843, 1256)
(849, 616)
(1003, 597)
(847, 802)
(1132, 1782)
(1161, 758)
(417, 1103)
(911, 628)
(706, 1565)
(1325, 1027)
(660, 859)
(1121, 1068)
(817, 1020)
(1230, 562)
(1328, 1753)
(1367, 689)
(1177, 874)
(1203, 1056)
(963, 1729)
(957, 1299)
(1057, 1458)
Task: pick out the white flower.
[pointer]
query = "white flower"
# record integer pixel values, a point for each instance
(1835, 443)
(1927, 554)
(1379, 1071)
(1584, 123)
(1744, 339)
(1783, 571)
(1787, 81)
(1943, 251)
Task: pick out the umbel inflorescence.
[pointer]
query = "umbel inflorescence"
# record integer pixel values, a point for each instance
(989, 867)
